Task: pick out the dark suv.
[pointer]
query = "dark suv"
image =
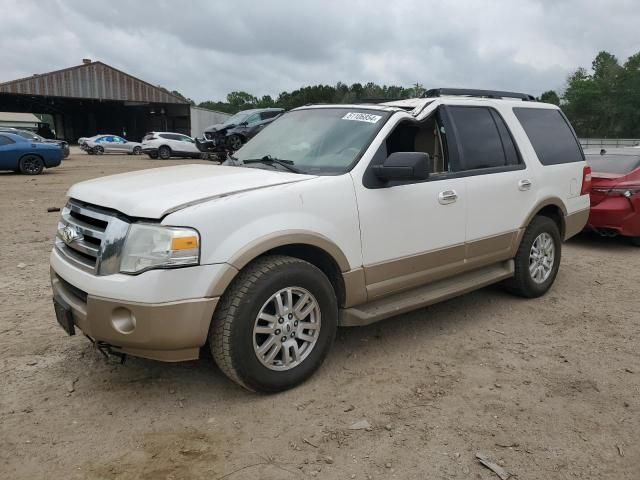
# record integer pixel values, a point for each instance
(242, 126)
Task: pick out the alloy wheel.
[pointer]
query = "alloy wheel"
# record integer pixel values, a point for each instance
(541, 257)
(286, 329)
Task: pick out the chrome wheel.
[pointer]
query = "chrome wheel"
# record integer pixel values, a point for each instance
(287, 328)
(541, 257)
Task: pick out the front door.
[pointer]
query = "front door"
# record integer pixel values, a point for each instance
(412, 233)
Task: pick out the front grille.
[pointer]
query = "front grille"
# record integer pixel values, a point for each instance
(90, 237)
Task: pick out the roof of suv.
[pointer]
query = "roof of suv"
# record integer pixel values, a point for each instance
(257, 110)
(417, 104)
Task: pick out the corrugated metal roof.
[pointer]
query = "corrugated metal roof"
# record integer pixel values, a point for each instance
(94, 80)
(18, 117)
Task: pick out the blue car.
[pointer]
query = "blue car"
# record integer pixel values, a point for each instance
(27, 157)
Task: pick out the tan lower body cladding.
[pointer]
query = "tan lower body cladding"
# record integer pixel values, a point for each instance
(409, 272)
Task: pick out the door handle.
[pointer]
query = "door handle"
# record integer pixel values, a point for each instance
(524, 185)
(446, 197)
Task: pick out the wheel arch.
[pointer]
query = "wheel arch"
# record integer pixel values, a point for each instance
(31, 154)
(552, 208)
(310, 247)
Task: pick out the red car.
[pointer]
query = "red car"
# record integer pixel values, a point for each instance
(615, 193)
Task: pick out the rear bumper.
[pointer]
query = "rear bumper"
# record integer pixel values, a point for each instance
(53, 162)
(618, 215)
(574, 223)
(170, 332)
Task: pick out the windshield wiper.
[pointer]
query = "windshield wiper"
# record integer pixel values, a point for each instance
(269, 160)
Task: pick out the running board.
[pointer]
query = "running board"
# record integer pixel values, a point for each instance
(403, 302)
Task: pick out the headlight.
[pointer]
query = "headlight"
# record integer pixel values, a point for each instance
(155, 246)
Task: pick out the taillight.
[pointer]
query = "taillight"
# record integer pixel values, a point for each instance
(586, 180)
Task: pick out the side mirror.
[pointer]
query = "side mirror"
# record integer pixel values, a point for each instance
(404, 166)
(243, 124)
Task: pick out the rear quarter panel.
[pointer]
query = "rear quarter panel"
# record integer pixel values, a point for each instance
(561, 182)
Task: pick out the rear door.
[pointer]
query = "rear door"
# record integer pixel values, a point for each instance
(498, 183)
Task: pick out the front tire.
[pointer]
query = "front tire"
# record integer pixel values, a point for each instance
(537, 260)
(31, 165)
(275, 324)
(235, 142)
(164, 152)
(137, 150)
(153, 156)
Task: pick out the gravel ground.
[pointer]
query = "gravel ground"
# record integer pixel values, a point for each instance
(547, 388)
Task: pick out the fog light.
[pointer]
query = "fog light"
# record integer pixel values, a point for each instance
(628, 193)
(123, 320)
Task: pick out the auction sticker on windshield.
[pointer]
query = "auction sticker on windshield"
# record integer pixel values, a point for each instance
(362, 117)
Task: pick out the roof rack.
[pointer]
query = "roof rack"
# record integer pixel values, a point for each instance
(468, 92)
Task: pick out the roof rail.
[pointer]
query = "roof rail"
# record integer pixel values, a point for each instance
(469, 92)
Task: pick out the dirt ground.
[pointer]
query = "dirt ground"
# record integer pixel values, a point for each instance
(548, 388)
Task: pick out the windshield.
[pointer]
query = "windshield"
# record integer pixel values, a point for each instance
(620, 164)
(317, 140)
(236, 119)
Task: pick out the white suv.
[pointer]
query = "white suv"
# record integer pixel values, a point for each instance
(337, 215)
(165, 145)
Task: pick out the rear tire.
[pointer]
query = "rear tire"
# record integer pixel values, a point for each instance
(31, 165)
(537, 260)
(164, 152)
(268, 345)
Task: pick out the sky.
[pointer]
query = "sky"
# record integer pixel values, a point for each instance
(206, 49)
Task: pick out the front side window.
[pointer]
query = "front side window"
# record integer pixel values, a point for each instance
(426, 136)
(480, 141)
(322, 141)
(550, 134)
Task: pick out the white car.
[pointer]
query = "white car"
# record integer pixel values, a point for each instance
(338, 215)
(165, 145)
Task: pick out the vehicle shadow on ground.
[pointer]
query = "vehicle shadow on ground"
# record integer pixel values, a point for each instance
(598, 242)
(204, 382)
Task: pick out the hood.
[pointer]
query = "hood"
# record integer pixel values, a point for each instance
(155, 193)
(218, 127)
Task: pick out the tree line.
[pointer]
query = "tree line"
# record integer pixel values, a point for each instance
(601, 102)
(338, 93)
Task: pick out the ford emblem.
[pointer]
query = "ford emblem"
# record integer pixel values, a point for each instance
(69, 234)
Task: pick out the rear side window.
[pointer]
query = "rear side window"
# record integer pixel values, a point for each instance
(550, 134)
(485, 141)
(5, 140)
